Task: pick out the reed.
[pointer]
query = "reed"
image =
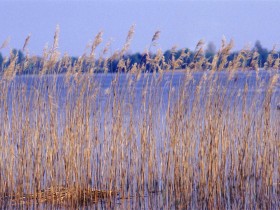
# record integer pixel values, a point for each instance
(168, 139)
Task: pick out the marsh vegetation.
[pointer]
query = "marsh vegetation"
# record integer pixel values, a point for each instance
(207, 136)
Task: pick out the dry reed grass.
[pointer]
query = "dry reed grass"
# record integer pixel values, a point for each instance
(209, 141)
(62, 196)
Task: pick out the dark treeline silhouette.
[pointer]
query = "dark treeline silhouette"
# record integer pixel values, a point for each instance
(33, 65)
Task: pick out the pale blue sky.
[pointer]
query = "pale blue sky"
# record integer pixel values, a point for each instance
(181, 23)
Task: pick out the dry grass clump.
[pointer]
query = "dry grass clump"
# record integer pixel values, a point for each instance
(62, 196)
(168, 140)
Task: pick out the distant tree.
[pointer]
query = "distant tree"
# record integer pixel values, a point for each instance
(112, 65)
(1, 61)
(135, 58)
(73, 60)
(210, 51)
(19, 54)
(167, 55)
(262, 51)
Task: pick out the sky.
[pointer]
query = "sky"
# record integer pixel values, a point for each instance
(182, 23)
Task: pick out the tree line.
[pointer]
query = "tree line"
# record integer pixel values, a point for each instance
(174, 58)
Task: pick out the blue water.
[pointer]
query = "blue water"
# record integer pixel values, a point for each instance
(152, 83)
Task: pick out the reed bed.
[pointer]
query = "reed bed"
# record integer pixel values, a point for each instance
(167, 140)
